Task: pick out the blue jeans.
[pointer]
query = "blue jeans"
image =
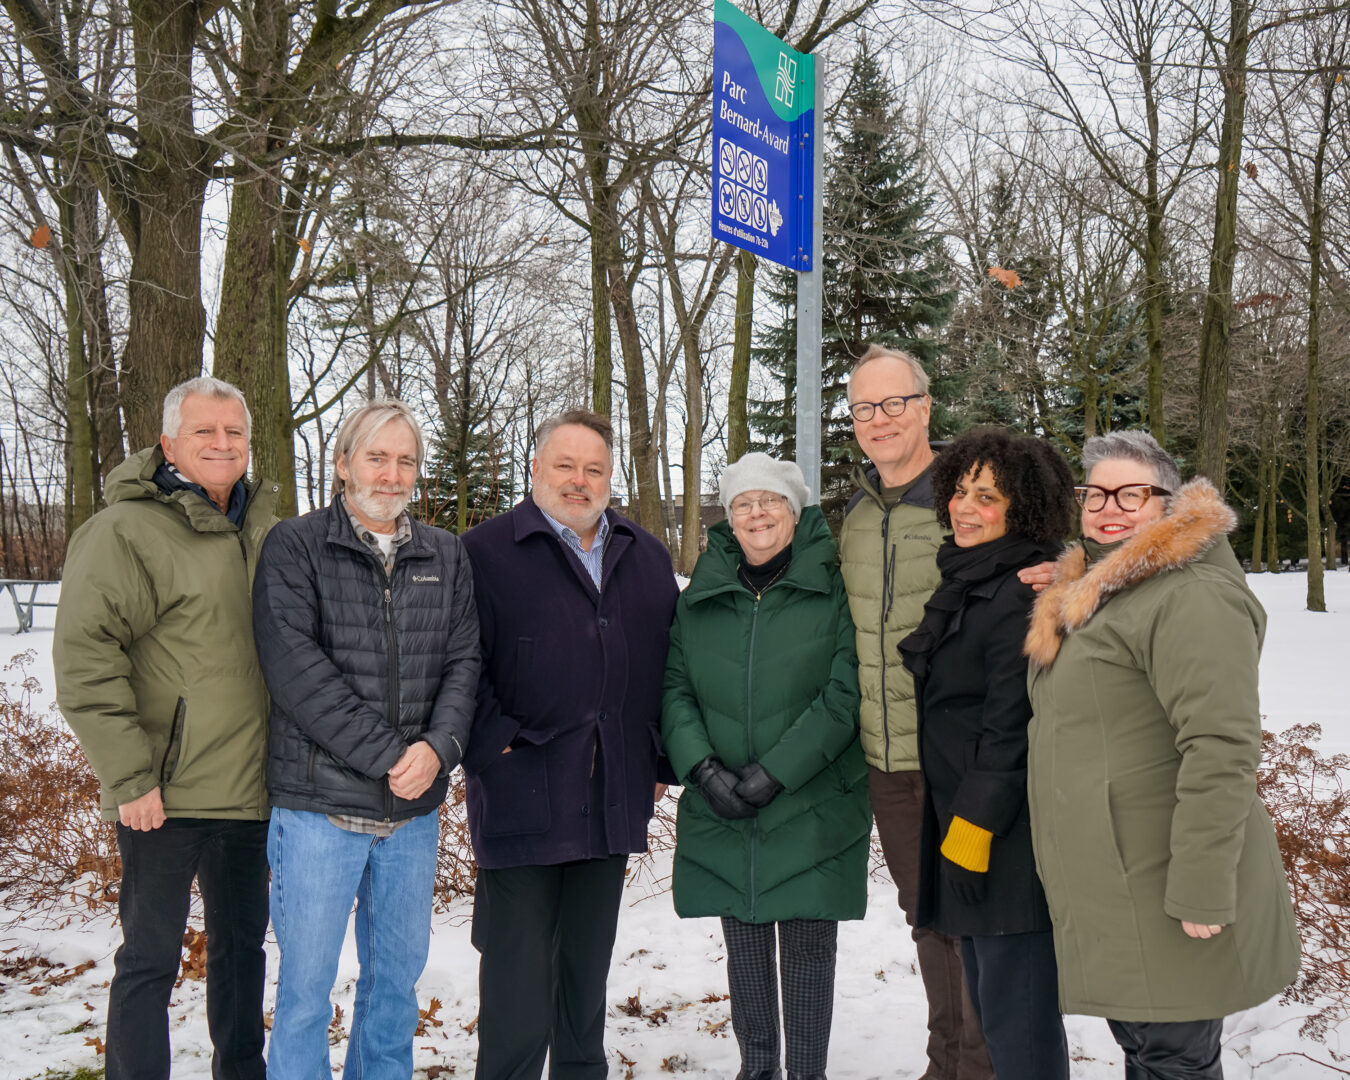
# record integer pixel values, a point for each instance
(318, 869)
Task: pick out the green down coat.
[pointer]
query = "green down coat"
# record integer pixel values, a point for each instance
(156, 672)
(1142, 777)
(773, 681)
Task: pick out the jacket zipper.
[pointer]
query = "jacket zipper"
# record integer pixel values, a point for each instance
(749, 745)
(393, 679)
(881, 634)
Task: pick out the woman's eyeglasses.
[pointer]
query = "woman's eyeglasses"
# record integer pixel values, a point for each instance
(1129, 497)
(768, 503)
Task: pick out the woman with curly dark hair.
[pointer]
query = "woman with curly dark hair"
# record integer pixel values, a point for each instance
(1008, 500)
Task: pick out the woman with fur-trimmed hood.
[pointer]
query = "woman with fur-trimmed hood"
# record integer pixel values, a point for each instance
(1160, 865)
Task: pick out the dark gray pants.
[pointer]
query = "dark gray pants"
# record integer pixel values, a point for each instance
(1178, 1051)
(806, 948)
(545, 935)
(956, 1049)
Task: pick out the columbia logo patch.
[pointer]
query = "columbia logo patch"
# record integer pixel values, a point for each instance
(420, 578)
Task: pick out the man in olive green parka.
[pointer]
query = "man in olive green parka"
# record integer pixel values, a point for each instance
(157, 675)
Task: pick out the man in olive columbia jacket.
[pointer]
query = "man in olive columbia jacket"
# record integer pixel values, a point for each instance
(157, 675)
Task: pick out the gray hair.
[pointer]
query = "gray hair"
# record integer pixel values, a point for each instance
(206, 386)
(582, 418)
(361, 426)
(881, 352)
(1138, 446)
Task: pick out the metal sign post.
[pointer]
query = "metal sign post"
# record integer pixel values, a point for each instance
(767, 182)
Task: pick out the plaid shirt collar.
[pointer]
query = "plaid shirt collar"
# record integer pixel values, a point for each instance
(402, 534)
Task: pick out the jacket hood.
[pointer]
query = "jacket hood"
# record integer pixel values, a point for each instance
(813, 558)
(1199, 518)
(135, 479)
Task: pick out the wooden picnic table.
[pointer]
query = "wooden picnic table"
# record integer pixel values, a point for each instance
(23, 606)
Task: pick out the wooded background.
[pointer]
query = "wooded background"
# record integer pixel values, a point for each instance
(1080, 215)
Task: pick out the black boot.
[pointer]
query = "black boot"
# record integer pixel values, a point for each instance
(760, 1074)
(806, 1076)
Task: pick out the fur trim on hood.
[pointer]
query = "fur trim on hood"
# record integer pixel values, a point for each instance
(1197, 520)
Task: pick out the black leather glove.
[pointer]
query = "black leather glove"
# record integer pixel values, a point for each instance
(757, 786)
(717, 784)
(968, 886)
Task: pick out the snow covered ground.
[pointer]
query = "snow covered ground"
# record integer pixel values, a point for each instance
(668, 1011)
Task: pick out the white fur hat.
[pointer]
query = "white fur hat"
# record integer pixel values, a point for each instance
(760, 472)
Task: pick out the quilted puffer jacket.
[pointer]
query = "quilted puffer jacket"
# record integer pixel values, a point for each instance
(772, 680)
(361, 664)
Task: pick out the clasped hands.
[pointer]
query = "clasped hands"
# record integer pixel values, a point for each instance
(734, 793)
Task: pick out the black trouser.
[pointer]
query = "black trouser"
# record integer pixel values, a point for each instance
(1014, 985)
(956, 1049)
(1188, 1050)
(807, 948)
(229, 860)
(545, 935)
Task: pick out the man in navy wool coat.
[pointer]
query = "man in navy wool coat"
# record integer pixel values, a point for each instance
(574, 606)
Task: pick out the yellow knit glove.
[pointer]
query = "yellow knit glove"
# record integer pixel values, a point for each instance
(967, 845)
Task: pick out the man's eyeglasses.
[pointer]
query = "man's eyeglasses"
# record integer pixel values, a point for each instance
(863, 411)
(768, 502)
(1129, 497)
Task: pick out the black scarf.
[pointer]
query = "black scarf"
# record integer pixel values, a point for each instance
(963, 568)
(757, 578)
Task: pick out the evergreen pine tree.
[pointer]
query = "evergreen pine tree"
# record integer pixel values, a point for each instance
(886, 278)
(460, 491)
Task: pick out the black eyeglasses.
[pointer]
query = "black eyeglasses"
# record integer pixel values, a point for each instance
(863, 411)
(1129, 497)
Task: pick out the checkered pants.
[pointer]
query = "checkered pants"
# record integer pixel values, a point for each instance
(807, 948)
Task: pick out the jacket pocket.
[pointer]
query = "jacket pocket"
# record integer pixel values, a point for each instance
(515, 793)
(174, 750)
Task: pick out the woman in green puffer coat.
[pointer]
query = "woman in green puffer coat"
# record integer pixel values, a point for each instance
(1160, 865)
(760, 722)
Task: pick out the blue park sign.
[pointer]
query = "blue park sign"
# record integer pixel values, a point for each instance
(763, 119)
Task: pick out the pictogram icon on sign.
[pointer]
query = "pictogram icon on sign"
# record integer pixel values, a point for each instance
(745, 162)
(726, 198)
(759, 213)
(743, 205)
(726, 158)
(760, 179)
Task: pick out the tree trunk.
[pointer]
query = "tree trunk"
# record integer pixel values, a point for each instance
(1317, 599)
(602, 372)
(166, 320)
(1216, 325)
(1154, 289)
(250, 342)
(693, 454)
(1272, 516)
(79, 456)
(738, 422)
(640, 444)
(1262, 493)
(250, 346)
